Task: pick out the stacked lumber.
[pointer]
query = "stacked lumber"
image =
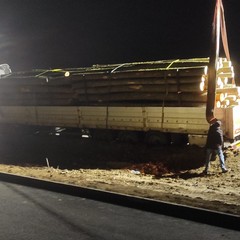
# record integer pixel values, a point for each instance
(33, 88)
(167, 82)
(227, 93)
(181, 82)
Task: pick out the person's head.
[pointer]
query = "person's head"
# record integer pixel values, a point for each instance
(218, 123)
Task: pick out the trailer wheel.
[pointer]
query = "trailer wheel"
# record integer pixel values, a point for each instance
(158, 138)
(179, 138)
(128, 136)
(102, 134)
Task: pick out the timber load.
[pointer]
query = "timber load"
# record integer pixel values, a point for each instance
(181, 82)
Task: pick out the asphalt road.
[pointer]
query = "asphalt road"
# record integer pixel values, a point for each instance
(29, 213)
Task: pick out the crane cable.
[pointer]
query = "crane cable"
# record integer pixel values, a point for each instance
(218, 28)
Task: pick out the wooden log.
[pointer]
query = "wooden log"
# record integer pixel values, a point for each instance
(46, 89)
(9, 89)
(229, 90)
(29, 96)
(139, 74)
(31, 80)
(36, 89)
(142, 97)
(31, 102)
(140, 88)
(22, 81)
(137, 81)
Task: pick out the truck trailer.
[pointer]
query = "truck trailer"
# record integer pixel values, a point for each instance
(164, 101)
(159, 101)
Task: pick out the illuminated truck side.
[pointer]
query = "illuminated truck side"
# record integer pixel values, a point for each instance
(161, 99)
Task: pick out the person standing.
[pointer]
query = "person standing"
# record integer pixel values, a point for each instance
(215, 145)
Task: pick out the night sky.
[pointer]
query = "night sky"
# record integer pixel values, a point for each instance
(77, 33)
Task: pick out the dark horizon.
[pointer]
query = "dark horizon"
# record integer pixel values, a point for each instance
(78, 33)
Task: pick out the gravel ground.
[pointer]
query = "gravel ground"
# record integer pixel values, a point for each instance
(168, 173)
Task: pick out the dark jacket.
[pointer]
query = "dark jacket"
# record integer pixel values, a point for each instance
(215, 137)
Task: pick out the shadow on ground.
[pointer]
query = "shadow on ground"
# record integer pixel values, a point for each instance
(74, 152)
